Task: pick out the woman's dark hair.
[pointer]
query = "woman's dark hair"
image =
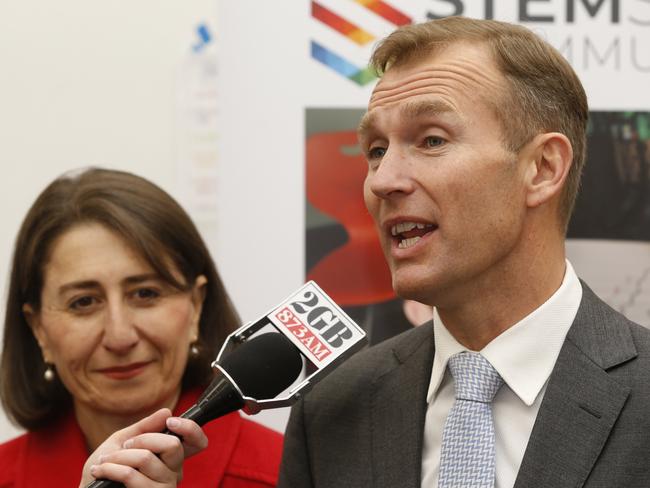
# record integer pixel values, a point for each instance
(155, 225)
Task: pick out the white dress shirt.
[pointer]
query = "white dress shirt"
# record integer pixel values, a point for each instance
(524, 355)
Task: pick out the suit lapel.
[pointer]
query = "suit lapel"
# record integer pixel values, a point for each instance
(581, 403)
(398, 409)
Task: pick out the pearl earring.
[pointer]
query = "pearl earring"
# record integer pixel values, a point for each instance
(194, 350)
(49, 373)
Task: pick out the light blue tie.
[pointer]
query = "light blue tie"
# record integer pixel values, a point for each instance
(467, 455)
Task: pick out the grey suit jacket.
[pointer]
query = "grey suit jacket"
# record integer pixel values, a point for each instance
(363, 425)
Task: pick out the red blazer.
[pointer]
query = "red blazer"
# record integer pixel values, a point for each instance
(240, 454)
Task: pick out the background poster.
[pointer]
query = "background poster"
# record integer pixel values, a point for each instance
(610, 232)
(307, 84)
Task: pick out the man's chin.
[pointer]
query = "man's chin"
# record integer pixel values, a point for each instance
(410, 288)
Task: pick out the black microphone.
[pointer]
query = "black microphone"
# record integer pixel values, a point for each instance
(261, 367)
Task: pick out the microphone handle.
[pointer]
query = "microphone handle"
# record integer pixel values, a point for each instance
(105, 484)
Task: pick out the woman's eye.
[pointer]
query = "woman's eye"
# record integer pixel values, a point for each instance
(83, 303)
(146, 294)
(433, 141)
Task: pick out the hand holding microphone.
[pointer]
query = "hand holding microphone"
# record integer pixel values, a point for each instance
(151, 457)
(255, 369)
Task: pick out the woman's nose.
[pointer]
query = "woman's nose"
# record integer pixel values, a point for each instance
(120, 334)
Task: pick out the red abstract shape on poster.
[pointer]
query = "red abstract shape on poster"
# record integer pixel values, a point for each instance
(355, 273)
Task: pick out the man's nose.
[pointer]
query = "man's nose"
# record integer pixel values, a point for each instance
(120, 334)
(392, 177)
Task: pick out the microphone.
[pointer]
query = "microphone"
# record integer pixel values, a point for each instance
(254, 366)
(262, 367)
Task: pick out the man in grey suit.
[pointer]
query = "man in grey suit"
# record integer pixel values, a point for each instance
(475, 140)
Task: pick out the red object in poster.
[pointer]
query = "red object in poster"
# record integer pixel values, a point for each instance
(355, 273)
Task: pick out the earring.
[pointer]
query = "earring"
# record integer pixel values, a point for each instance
(49, 373)
(194, 350)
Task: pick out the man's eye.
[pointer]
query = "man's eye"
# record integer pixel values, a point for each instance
(376, 152)
(433, 141)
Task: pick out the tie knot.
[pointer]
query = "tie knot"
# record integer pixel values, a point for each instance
(474, 376)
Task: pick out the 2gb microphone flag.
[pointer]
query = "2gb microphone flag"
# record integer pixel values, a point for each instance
(316, 325)
(321, 331)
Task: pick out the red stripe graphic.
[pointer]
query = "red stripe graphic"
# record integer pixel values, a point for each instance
(391, 14)
(339, 24)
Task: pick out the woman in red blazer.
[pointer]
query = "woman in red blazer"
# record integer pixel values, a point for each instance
(115, 310)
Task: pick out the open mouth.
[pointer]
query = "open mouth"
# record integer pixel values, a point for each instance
(407, 234)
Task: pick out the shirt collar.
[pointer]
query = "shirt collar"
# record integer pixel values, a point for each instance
(525, 354)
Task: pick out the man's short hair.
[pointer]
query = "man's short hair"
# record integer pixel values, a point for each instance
(543, 93)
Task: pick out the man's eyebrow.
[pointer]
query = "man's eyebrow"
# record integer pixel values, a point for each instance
(410, 110)
(425, 108)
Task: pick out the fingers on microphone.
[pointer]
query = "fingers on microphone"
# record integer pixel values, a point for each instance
(152, 423)
(194, 439)
(136, 468)
(168, 447)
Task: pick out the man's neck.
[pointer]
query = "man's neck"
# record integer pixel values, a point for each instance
(496, 303)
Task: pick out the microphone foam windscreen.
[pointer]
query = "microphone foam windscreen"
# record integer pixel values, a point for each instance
(264, 366)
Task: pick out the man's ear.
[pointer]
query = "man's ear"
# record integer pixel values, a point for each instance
(33, 319)
(549, 156)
